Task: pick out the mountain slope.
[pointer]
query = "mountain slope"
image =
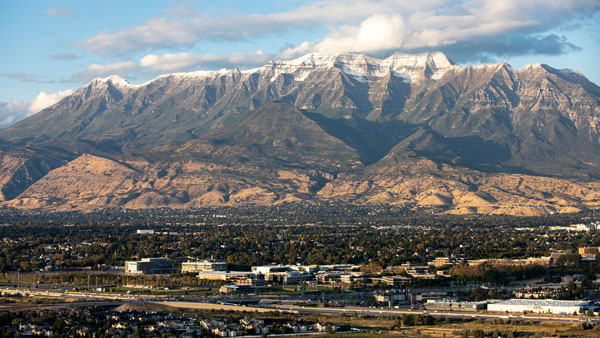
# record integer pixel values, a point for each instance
(319, 127)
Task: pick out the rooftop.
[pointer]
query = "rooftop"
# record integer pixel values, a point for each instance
(542, 302)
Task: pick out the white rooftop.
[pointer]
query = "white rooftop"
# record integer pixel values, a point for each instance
(543, 302)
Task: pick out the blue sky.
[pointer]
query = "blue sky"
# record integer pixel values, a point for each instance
(51, 48)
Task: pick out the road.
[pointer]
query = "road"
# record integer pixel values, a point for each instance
(370, 311)
(452, 314)
(105, 299)
(20, 307)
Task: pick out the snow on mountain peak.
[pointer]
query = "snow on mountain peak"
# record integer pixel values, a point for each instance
(313, 59)
(115, 80)
(362, 67)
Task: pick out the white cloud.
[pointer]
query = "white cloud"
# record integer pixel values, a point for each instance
(355, 26)
(8, 120)
(14, 111)
(112, 68)
(182, 61)
(187, 31)
(170, 62)
(58, 11)
(375, 34)
(45, 100)
(11, 112)
(97, 70)
(481, 26)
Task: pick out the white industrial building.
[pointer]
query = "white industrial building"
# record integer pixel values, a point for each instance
(265, 269)
(144, 232)
(200, 266)
(454, 305)
(539, 306)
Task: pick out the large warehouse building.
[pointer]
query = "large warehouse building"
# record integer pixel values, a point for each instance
(453, 305)
(539, 306)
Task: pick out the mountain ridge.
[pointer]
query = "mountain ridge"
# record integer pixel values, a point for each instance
(326, 120)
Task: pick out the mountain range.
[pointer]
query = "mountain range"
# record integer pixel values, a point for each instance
(411, 129)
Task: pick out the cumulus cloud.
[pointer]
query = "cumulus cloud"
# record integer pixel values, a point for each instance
(58, 11)
(97, 70)
(11, 112)
(180, 61)
(45, 100)
(187, 31)
(7, 121)
(376, 33)
(371, 26)
(14, 111)
(464, 29)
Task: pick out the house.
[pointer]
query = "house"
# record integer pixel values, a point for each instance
(322, 327)
(298, 327)
(226, 331)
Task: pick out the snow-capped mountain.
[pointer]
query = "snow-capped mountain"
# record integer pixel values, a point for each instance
(334, 119)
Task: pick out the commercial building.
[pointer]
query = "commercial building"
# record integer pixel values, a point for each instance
(395, 281)
(149, 266)
(224, 275)
(391, 297)
(589, 251)
(539, 306)
(452, 260)
(144, 232)
(511, 262)
(328, 277)
(234, 288)
(265, 269)
(418, 271)
(454, 305)
(339, 267)
(351, 278)
(424, 296)
(199, 266)
(594, 226)
(295, 277)
(288, 277)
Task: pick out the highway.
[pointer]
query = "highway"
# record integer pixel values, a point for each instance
(22, 307)
(221, 303)
(350, 310)
(451, 314)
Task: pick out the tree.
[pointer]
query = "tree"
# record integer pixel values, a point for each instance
(329, 329)
(59, 325)
(428, 320)
(408, 320)
(570, 259)
(478, 334)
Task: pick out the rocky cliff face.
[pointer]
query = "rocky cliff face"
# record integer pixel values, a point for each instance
(410, 129)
